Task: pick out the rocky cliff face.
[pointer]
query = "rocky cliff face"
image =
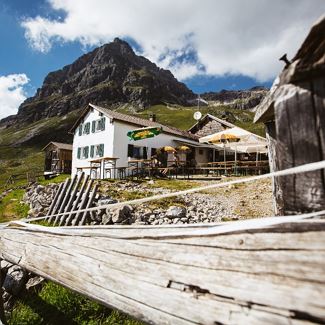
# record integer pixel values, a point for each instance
(111, 75)
(239, 99)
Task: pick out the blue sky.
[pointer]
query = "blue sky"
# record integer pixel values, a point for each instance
(208, 47)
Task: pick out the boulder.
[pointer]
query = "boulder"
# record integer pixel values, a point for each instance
(15, 280)
(106, 219)
(106, 200)
(176, 212)
(34, 283)
(121, 214)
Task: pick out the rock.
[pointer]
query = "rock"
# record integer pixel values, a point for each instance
(175, 212)
(106, 219)
(39, 188)
(32, 213)
(34, 283)
(105, 201)
(120, 214)
(111, 74)
(15, 280)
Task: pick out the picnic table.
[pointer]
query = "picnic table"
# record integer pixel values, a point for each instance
(105, 165)
(241, 166)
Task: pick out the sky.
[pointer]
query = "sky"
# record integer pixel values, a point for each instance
(208, 44)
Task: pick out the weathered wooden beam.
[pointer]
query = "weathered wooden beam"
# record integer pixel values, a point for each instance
(233, 273)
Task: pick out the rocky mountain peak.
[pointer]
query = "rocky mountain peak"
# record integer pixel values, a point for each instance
(110, 75)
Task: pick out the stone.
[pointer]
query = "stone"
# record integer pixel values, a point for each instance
(106, 219)
(39, 188)
(175, 212)
(120, 214)
(107, 200)
(15, 280)
(34, 283)
(31, 213)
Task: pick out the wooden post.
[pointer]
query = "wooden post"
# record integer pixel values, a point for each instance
(294, 114)
(2, 310)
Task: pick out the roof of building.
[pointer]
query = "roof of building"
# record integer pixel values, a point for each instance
(60, 145)
(212, 117)
(308, 63)
(134, 120)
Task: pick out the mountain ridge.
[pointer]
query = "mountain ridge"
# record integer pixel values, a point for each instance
(112, 75)
(109, 75)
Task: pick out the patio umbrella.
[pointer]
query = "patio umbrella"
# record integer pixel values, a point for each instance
(223, 138)
(144, 133)
(237, 139)
(183, 148)
(167, 149)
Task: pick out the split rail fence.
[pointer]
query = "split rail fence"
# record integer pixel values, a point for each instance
(262, 271)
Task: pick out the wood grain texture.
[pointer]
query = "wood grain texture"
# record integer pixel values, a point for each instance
(229, 273)
(300, 140)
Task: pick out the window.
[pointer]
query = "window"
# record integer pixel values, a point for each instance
(86, 128)
(153, 151)
(137, 152)
(200, 151)
(97, 150)
(98, 125)
(83, 153)
(80, 129)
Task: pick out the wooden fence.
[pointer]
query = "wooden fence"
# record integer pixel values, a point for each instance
(27, 177)
(270, 271)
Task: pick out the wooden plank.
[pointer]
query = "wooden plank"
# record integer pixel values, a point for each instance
(76, 203)
(59, 200)
(85, 203)
(318, 86)
(51, 208)
(74, 198)
(67, 195)
(89, 204)
(185, 275)
(298, 143)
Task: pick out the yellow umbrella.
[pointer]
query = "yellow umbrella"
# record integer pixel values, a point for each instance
(183, 148)
(224, 137)
(167, 149)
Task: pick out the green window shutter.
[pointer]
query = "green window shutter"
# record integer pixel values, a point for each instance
(80, 129)
(87, 128)
(79, 153)
(93, 126)
(103, 123)
(92, 151)
(130, 150)
(86, 152)
(145, 153)
(101, 150)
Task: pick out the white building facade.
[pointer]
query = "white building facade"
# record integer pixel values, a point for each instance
(102, 133)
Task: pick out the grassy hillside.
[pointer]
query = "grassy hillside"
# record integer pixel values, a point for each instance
(182, 117)
(20, 148)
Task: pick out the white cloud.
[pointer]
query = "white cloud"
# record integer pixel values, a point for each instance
(228, 36)
(11, 93)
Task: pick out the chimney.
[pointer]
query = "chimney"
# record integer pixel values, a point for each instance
(152, 117)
